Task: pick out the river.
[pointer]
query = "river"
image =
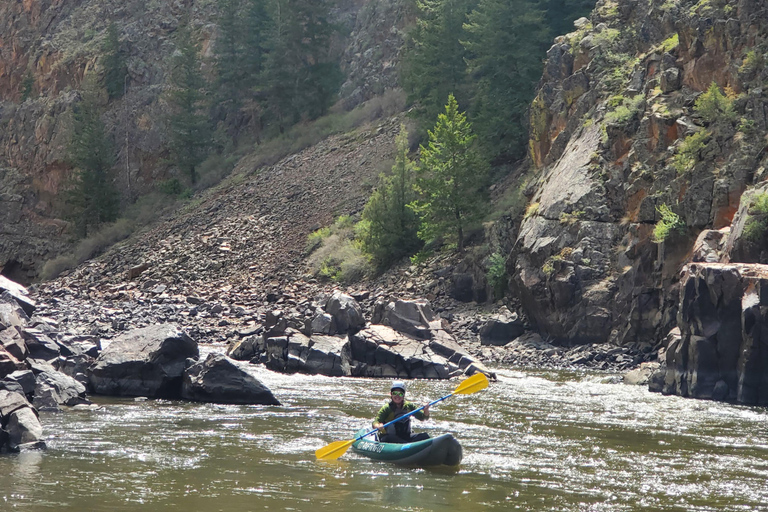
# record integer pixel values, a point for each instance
(534, 440)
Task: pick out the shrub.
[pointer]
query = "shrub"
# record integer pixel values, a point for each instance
(497, 273)
(624, 109)
(753, 61)
(713, 106)
(531, 210)
(336, 255)
(688, 151)
(669, 222)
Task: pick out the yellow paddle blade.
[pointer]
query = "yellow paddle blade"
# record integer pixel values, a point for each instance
(334, 450)
(472, 385)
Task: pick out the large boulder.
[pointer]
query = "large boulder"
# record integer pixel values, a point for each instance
(220, 379)
(12, 289)
(501, 328)
(412, 317)
(21, 427)
(346, 312)
(144, 362)
(53, 388)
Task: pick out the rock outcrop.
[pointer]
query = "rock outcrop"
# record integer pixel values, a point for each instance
(722, 351)
(144, 362)
(611, 138)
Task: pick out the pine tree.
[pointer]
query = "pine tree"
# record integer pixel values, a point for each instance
(433, 63)
(506, 41)
(229, 52)
(300, 79)
(451, 178)
(188, 125)
(388, 230)
(93, 196)
(115, 68)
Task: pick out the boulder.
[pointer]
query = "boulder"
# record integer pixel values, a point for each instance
(220, 379)
(144, 362)
(380, 351)
(11, 340)
(346, 312)
(501, 328)
(23, 380)
(246, 348)
(11, 314)
(21, 426)
(19, 293)
(53, 388)
(40, 345)
(328, 355)
(411, 317)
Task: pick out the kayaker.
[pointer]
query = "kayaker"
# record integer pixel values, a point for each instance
(399, 432)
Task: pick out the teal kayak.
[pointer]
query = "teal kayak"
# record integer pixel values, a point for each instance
(443, 450)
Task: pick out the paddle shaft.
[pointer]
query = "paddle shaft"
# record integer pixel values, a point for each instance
(430, 404)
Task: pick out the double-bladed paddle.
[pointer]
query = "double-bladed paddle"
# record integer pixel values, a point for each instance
(468, 386)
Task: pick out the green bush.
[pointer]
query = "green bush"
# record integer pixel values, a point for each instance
(669, 222)
(713, 106)
(336, 255)
(688, 151)
(497, 273)
(624, 109)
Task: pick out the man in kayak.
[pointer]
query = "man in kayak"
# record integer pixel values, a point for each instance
(399, 432)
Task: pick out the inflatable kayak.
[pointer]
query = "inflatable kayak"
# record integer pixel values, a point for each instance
(443, 450)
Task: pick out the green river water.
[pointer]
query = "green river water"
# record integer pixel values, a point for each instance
(534, 440)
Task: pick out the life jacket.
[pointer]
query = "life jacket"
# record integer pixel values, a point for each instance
(401, 429)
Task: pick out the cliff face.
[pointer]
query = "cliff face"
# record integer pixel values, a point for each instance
(47, 48)
(611, 139)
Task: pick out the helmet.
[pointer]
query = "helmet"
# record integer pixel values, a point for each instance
(398, 384)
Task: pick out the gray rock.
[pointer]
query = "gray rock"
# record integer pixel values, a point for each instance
(220, 379)
(54, 388)
(9, 288)
(144, 362)
(501, 329)
(21, 424)
(346, 313)
(412, 317)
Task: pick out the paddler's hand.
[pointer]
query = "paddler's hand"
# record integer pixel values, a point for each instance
(426, 411)
(378, 425)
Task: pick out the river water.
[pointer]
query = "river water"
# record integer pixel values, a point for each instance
(534, 440)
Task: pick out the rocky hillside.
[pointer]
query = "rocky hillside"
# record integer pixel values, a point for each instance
(47, 47)
(623, 150)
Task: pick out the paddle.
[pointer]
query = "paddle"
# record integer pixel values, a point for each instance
(468, 386)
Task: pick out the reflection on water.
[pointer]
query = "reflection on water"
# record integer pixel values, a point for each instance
(543, 441)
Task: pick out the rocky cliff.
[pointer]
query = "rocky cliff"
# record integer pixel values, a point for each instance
(47, 47)
(613, 128)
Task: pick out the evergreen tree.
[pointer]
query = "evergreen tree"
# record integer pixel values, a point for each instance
(188, 125)
(115, 68)
(300, 79)
(256, 22)
(433, 62)
(389, 227)
(229, 51)
(506, 42)
(451, 178)
(93, 195)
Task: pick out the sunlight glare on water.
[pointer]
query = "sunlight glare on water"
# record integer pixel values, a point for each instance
(534, 440)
